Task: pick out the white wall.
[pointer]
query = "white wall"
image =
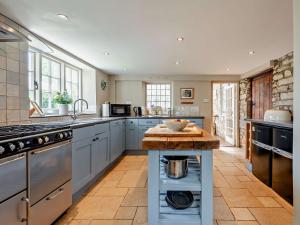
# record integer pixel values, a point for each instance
(296, 161)
(101, 95)
(131, 89)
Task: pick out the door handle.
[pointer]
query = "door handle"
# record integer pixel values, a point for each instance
(45, 149)
(11, 159)
(26, 201)
(60, 191)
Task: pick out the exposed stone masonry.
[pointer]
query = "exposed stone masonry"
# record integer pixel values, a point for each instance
(245, 97)
(282, 93)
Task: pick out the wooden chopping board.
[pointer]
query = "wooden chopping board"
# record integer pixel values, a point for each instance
(165, 132)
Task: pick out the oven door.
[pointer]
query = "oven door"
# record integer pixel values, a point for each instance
(49, 168)
(12, 175)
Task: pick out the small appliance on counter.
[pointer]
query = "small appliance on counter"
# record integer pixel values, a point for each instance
(120, 110)
(105, 109)
(137, 111)
(278, 115)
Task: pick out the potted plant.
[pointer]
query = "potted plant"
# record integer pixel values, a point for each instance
(62, 99)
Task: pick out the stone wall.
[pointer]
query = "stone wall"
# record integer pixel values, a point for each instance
(282, 94)
(282, 91)
(245, 97)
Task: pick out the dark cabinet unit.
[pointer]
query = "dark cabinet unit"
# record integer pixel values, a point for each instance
(262, 153)
(272, 158)
(282, 163)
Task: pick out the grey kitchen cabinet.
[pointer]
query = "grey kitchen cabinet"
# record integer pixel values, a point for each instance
(100, 153)
(117, 138)
(132, 134)
(81, 157)
(198, 122)
(13, 210)
(144, 125)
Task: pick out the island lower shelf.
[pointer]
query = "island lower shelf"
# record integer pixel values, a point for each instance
(198, 181)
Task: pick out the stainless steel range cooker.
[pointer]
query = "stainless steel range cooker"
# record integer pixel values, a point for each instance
(35, 173)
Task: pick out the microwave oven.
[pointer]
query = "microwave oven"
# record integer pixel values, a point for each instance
(120, 110)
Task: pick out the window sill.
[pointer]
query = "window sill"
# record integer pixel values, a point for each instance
(56, 115)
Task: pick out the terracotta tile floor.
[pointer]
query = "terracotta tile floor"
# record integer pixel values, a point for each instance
(120, 198)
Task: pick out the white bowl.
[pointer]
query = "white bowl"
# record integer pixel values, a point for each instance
(176, 125)
(278, 115)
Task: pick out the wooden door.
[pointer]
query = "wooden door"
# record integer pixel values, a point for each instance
(261, 94)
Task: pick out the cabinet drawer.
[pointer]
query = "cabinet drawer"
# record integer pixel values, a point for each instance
(262, 134)
(132, 121)
(198, 122)
(101, 128)
(51, 207)
(147, 122)
(117, 122)
(283, 139)
(83, 133)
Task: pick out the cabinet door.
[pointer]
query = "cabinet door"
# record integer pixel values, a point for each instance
(132, 136)
(13, 210)
(100, 153)
(122, 137)
(81, 163)
(142, 130)
(114, 139)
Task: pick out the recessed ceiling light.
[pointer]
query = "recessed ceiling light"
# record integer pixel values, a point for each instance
(125, 69)
(106, 53)
(177, 62)
(252, 52)
(180, 39)
(227, 69)
(62, 16)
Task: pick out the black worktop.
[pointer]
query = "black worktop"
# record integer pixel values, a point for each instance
(272, 123)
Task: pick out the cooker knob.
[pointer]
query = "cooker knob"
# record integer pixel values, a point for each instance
(70, 133)
(46, 138)
(21, 144)
(2, 150)
(66, 134)
(40, 141)
(60, 136)
(11, 146)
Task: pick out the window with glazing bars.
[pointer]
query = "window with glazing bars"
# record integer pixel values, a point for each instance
(158, 95)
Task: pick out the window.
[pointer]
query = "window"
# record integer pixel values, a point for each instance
(31, 75)
(72, 80)
(51, 81)
(158, 95)
(47, 75)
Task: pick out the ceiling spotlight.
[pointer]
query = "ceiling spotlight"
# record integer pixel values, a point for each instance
(180, 39)
(177, 62)
(125, 69)
(106, 53)
(251, 52)
(227, 69)
(62, 16)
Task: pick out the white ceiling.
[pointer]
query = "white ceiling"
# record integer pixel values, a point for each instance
(141, 35)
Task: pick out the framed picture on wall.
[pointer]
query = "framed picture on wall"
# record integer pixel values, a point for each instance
(187, 93)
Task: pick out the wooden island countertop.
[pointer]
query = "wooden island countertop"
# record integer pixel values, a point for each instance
(191, 138)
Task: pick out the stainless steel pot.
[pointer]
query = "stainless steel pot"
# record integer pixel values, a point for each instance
(175, 166)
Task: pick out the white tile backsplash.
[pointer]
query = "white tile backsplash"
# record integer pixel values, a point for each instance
(13, 103)
(13, 77)
(13, 65)
(2, 62)
(13, 115)
(12, 90)
(2, 88)
(2, 76)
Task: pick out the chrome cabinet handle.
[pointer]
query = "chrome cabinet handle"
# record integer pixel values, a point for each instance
(11, 159)
(61, 190)
(25, 200)
(49, 149)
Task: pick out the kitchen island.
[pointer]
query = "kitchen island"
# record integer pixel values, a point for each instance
(198, 145)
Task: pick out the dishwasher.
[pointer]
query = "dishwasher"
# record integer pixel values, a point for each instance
(282, 163)
(262, 153)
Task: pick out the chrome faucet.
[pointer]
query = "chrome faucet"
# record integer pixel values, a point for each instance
(74, 116)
